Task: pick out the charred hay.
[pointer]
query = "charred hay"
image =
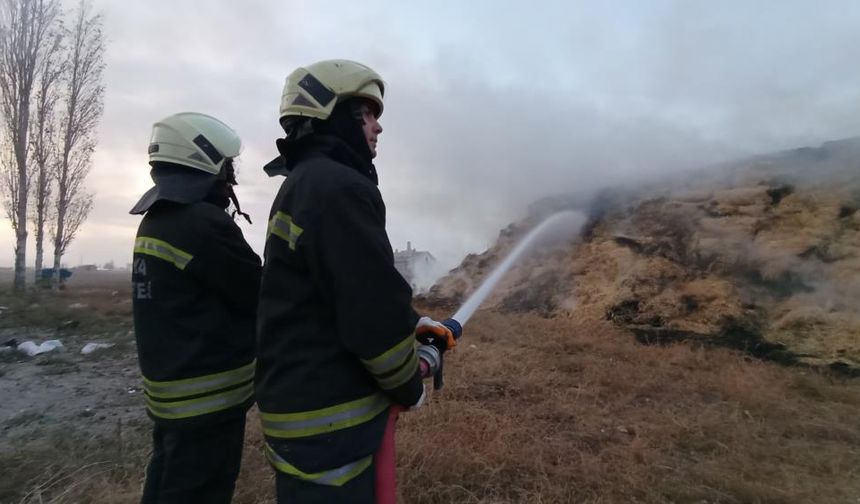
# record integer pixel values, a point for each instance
(763, 258)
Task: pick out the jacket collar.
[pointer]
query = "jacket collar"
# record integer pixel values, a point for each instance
(292, 152)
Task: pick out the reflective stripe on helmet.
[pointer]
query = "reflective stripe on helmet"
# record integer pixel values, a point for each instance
(282, 226)
(162, 250)
(395, 366)
(325, 420)
(200, 384)
(206, 146)
(317, 89)
(174, 410)
(332, 477)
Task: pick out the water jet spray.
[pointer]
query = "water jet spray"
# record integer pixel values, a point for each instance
(566, 222)
(561, 221)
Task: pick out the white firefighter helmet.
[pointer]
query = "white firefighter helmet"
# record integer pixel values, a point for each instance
(195, 140)
(314, 90)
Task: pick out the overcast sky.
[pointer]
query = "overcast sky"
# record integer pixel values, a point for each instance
(489, 105)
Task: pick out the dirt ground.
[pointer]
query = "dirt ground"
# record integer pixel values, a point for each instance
(61, 397)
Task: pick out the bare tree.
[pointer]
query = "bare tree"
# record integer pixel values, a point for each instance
(24, 39)
(43, 145)
(82, 106)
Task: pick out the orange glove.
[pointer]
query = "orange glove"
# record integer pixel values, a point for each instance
(430, 332)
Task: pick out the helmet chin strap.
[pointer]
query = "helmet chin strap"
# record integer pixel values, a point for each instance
(229, 174)
(237, 208)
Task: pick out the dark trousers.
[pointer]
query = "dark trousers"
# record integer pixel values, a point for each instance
(194, 465)
(359, 490)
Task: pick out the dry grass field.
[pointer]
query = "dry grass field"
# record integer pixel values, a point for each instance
(535, 410)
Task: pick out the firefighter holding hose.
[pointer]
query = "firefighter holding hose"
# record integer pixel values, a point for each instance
(336, 330)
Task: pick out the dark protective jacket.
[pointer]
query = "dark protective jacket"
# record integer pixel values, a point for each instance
(195, 286)
(335, 325)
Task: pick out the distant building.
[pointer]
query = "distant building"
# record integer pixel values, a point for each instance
(414, 265)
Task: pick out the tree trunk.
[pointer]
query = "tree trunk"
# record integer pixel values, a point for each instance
(19, 284)
(56, 277)
(58, 248)
(40, 236)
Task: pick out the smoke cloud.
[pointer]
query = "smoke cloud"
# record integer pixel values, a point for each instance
(481, 118)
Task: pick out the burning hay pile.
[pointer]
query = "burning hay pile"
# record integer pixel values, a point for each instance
(762, 255)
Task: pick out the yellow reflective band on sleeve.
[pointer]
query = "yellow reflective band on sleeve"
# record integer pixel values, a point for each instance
(395, 366)
(402, 376)
(199, 384)
(162, 250)
(332, 477)
(174, 410)
(392, 358)
(325, 420)
(282, 226)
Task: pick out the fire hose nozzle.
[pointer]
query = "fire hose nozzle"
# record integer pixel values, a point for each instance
(454, 326)
(430, 352)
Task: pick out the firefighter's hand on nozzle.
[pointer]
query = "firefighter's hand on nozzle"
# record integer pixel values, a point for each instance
(438, 334)
(436, 338)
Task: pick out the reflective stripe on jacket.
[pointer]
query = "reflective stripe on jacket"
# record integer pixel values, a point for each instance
(324, 420)
(200, 395)
(332, 477)
(335, 332)
(194, 291)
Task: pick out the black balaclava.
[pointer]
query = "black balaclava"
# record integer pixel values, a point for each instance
(345, 123)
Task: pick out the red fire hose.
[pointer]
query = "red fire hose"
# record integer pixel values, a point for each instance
(385, 461)
(385, 458)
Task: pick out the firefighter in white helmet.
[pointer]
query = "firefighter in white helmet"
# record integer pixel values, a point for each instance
(195, 283)
(336, 328)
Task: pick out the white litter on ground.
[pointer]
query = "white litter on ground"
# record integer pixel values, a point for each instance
(31, 349)
(92, 347)
(77, 306)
